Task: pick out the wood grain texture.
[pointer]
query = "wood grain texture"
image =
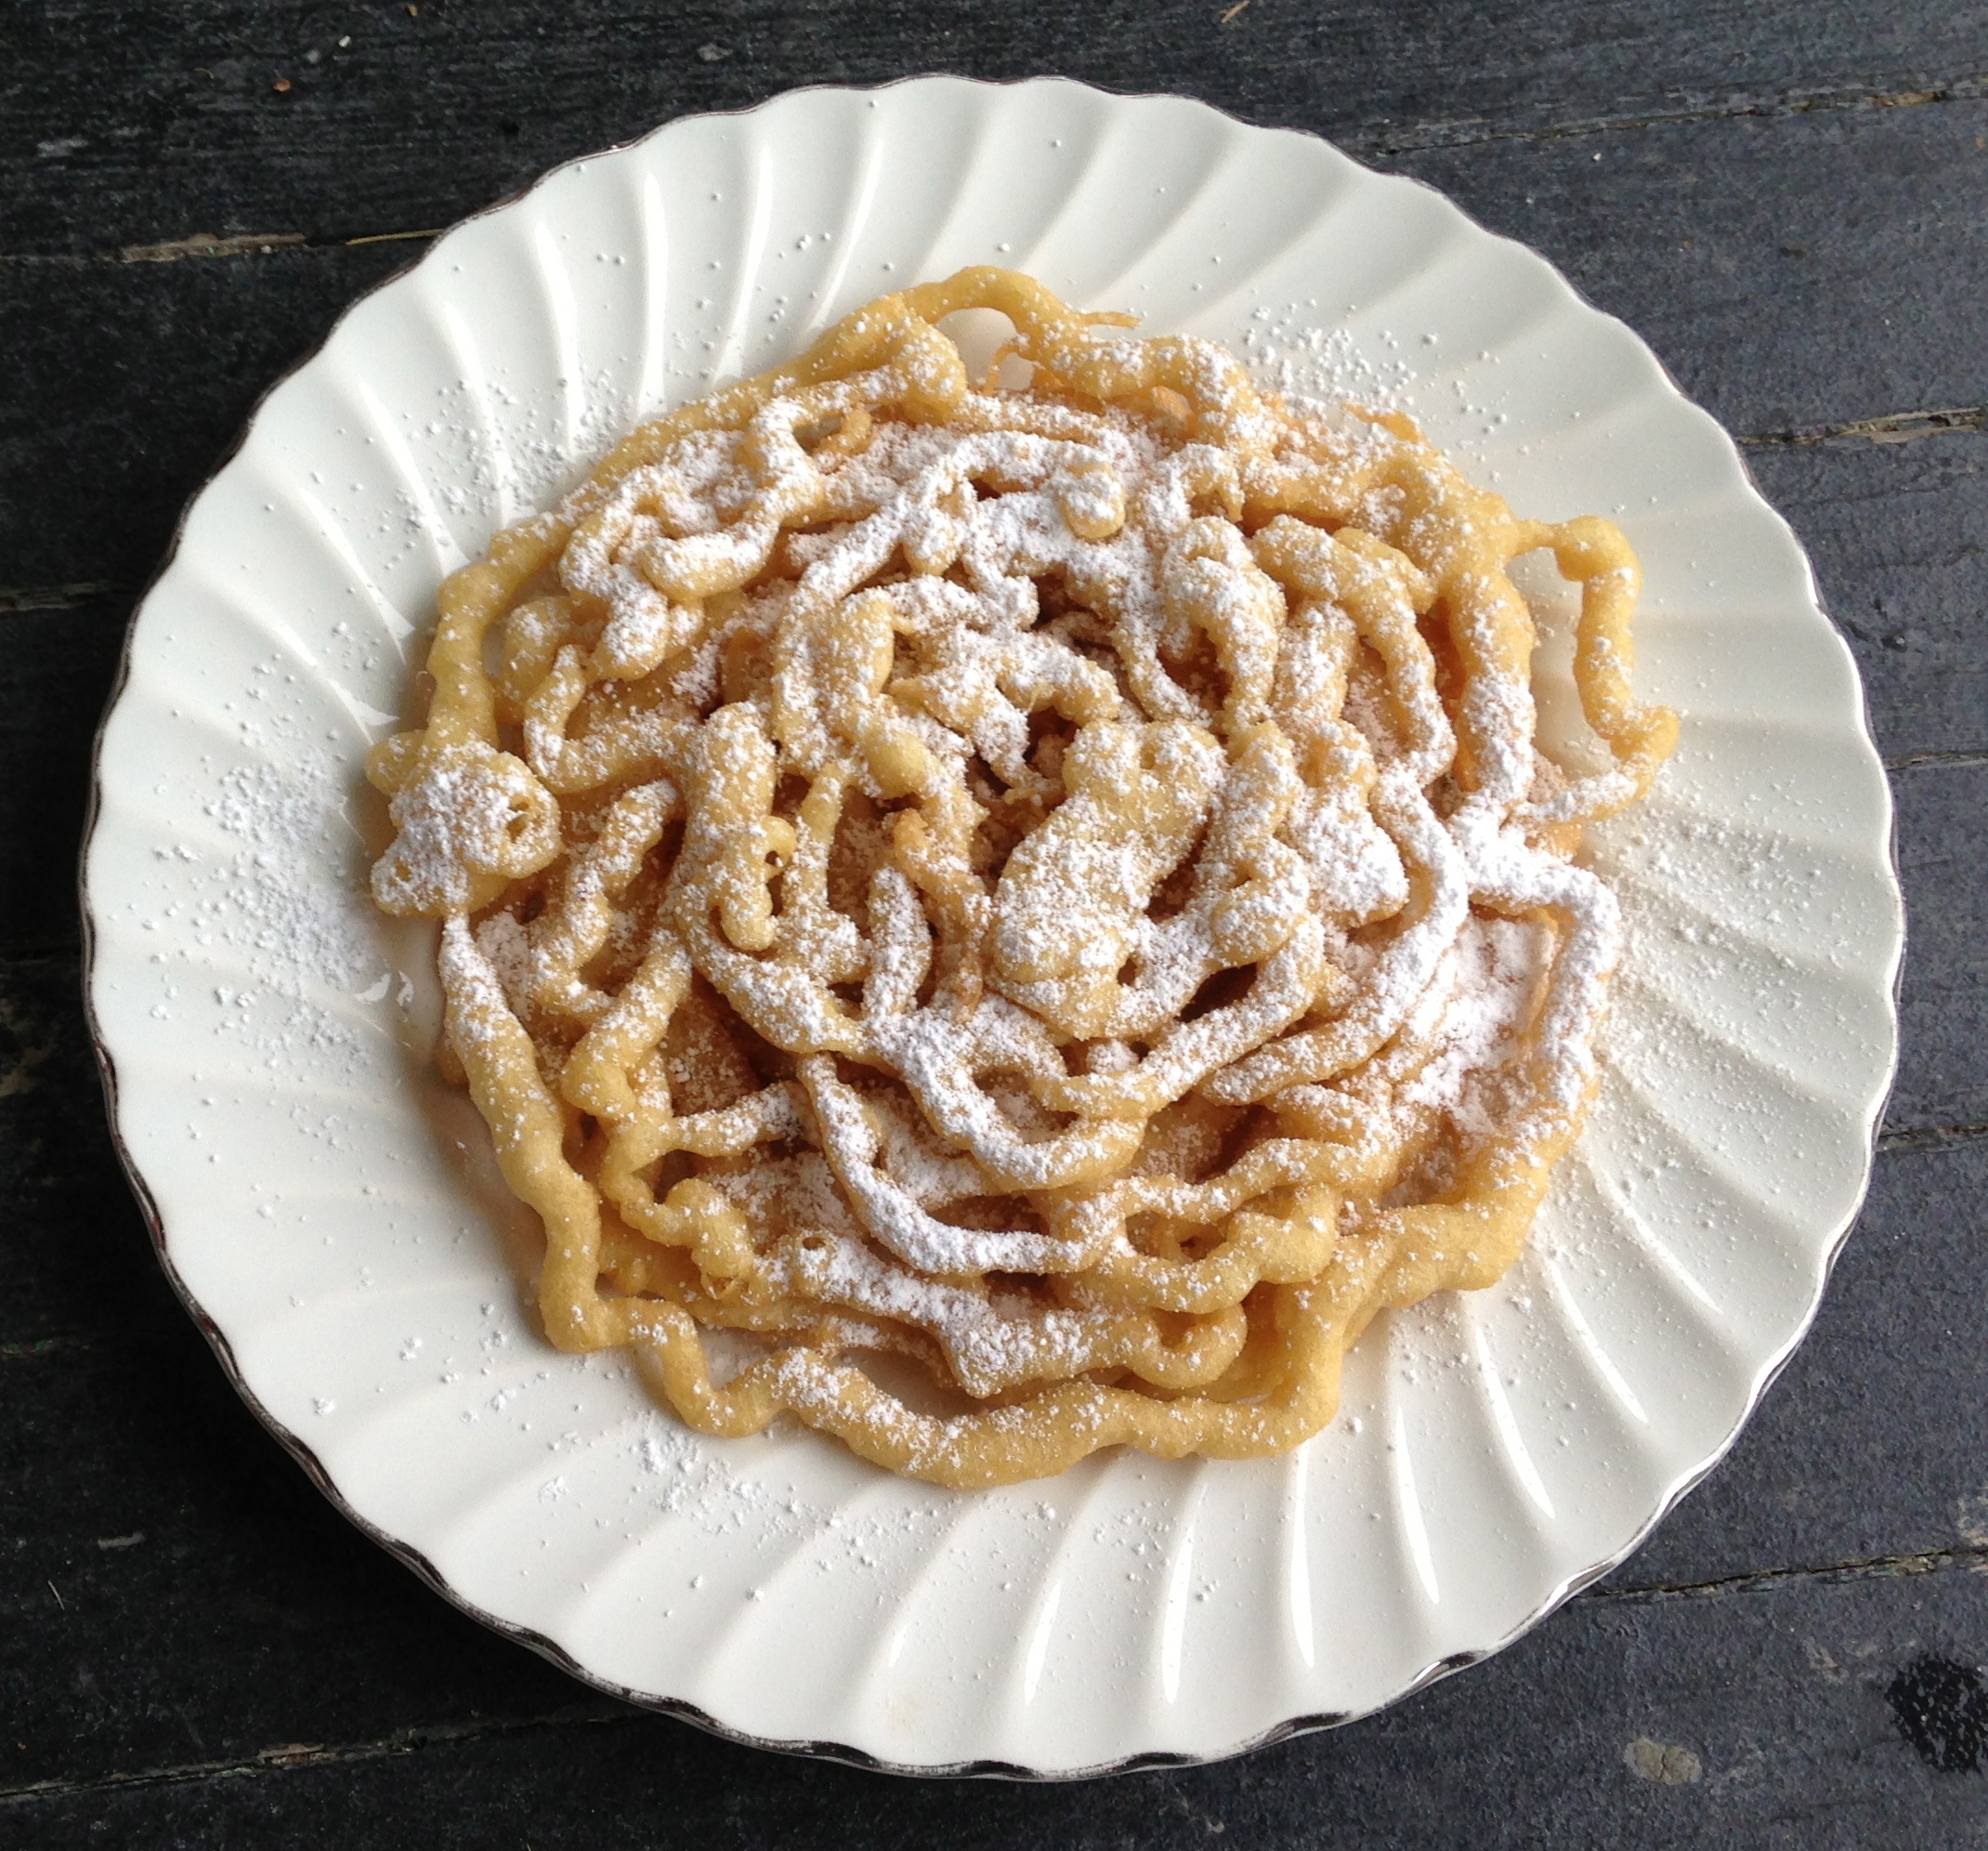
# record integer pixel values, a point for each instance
(1768, 1719)
(175, 1592)
(1778, 266)
(1775, 307)
(1897, 534)
(137, 380)
(1788, 199)
(62, 659)
(81, 1271)
(139, 124)
(1942, 1076)
(1846, 1460)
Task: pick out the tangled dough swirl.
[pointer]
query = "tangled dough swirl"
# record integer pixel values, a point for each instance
(1041, 907)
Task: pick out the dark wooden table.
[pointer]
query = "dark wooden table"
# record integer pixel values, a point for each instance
(1788, 197)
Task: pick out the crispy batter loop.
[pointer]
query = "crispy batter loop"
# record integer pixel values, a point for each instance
(1041, 906)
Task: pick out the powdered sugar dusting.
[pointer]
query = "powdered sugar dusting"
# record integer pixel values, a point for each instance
(1165, 806)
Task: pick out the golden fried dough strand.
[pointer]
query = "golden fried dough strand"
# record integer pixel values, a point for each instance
(1057, 887)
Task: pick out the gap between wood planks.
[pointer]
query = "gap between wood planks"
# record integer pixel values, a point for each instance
(1969, 760)
(1894, 427)
(207, 244)
(1929, 1139)
(54, 597)
(1385, 138)
(1375, 139)
(1972, 1557)
(317, 1755)
(607, 1714)
(63, 1345)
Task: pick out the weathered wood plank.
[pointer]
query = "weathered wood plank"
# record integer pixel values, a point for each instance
(173, 1588)
(130, 386)
(135, 378)
(1783, 270)
(60, 664)
(1943, 1077)
(248, 1613)
(79, 1263)
(56, 1158)
(1874, 1442)
(1898, 534)
(1828, 1716)
(138, 124)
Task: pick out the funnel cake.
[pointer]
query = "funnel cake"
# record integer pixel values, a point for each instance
(1038, 909)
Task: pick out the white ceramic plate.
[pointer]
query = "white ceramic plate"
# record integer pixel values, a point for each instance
(329, 1209)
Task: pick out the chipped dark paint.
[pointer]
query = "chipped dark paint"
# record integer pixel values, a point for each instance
(1942, 1710)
